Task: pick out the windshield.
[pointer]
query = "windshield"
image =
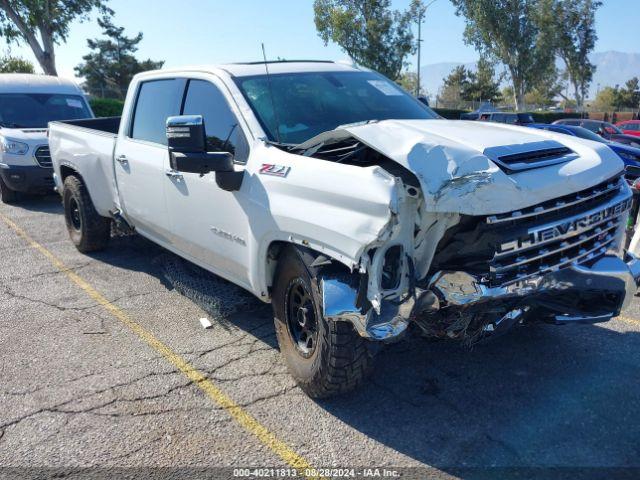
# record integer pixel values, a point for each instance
(612, 128)
(588, 134)
(36, 110)
(525, 118)
(310, 103)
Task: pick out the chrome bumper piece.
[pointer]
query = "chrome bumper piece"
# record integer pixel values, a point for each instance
(340, 300)
(578, 293)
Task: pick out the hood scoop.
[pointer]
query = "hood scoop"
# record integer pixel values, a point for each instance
(525, 156)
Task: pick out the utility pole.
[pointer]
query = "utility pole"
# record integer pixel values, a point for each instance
(421, 13)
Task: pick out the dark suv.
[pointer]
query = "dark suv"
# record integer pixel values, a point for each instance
(507, 117)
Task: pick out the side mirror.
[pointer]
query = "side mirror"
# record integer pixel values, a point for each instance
(187, 142)
(201, 163)
(186, 133)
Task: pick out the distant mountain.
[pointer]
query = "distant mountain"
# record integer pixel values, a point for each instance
(612, 68)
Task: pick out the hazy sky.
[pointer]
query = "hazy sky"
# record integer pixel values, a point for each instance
(191, 32)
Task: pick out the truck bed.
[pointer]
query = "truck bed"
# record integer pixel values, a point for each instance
(103, 124)
(87, 146)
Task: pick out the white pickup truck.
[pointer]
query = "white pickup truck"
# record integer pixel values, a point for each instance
(352, 207)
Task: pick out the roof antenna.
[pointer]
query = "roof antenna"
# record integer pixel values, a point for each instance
(273, 103)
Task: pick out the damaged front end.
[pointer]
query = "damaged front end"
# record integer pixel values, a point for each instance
(556, 262)
(464, 275)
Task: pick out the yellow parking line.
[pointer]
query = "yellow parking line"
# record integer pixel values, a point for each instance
(248, 422)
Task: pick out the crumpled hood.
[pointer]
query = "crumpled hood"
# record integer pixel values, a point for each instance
(455, 176)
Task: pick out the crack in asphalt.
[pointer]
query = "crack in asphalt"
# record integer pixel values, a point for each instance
(30, 277)
(137, 449)
(14, 295)
(81, 377)
(506, 446)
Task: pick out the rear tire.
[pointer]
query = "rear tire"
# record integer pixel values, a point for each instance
(7, 195)
(88, 230)
(326, 359)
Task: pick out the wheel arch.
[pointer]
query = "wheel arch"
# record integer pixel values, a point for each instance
(66, 170)
(313, 259)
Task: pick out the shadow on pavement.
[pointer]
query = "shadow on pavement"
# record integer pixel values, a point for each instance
(563, 396)
(542, 395)
(40, 203)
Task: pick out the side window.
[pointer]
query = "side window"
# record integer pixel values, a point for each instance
(224, 134)
(157, 100)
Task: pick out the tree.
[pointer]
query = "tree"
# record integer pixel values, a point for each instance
(455, 86)
(10, 64)
(573, 24)
(607, 99)
(111, 65)
(546, 90)
(483, 85)
(43, 24)
(409, 81)
(509, 31)
(369, 31)
(629, 95)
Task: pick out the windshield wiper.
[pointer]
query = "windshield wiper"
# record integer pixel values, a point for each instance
(10, 125)
(287, 146)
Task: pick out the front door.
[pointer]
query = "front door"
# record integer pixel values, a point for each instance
(142, 158)
(210, 224)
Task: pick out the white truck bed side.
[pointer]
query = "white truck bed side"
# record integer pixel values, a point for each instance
(89, 152)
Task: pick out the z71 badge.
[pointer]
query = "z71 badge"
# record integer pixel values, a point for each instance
(275, 170)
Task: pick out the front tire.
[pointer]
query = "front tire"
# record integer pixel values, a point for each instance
(7, 195)
(325, 358)
(89, 231)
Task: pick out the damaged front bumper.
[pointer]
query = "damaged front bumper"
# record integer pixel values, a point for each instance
(578, 293)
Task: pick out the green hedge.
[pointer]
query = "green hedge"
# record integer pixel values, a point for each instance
(109, 107)
(106, 107)
(550, 117)
(540, 117)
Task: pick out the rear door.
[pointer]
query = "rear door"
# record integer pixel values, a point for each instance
(142, 158)
(208, 224)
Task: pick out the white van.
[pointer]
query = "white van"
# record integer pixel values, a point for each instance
(27, 104)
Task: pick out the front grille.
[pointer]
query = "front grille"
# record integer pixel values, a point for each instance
(575, 229)
(43, 157)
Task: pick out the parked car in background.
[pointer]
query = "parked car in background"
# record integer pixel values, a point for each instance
(424, 99)
(630, 127)
(485, 107)
(605, 129)
(511, 118)
(27, 104)
(355, 210)
(628, 154)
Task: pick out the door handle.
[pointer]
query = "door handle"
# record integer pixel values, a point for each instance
(173, 174)
(122, 160)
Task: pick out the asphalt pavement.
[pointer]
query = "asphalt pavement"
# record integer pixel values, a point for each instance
(118, 372)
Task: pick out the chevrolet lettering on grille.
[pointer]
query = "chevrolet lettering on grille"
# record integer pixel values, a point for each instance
(564, 229)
